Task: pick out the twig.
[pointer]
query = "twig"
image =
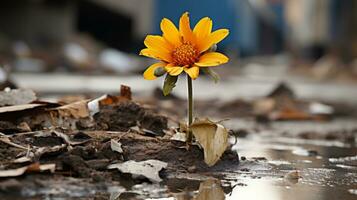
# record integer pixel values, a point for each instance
(7, 140)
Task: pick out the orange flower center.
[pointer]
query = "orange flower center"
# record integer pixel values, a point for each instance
(185, 54)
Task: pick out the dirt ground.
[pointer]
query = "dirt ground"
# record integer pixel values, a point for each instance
(81, 148)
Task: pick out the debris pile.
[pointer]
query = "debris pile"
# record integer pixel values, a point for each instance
(99, 139)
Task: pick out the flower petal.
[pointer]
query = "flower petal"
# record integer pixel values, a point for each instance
(193, 71)
(149, 73)
(174, 70)
(212, 59)
(170, 32)
(203, 28)
(156, 54)
(213, 38)
(185, 29)
(158, 43)
(218, 35)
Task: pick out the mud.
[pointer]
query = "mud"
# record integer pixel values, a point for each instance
(276, 157)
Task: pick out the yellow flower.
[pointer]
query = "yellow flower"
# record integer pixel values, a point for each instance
(184, 49)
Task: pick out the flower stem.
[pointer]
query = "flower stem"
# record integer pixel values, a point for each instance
(190, 107)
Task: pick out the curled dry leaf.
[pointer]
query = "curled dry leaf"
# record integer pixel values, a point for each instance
(148, 168)
(212, 137)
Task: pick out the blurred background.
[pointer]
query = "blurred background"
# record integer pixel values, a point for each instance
(47, 42)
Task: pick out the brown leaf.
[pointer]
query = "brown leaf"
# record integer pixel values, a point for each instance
(212, 137)
(77, 109)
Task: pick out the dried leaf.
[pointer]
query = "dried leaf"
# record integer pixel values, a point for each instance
(179, 136)
(77, 109)
(212, 137)
(169, 84)
(148, 168)
(116, 146)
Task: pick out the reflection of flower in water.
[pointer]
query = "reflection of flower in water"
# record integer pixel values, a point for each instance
(210, 190)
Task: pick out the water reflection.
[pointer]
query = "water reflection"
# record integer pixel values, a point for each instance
(257, 190)
(210, 190)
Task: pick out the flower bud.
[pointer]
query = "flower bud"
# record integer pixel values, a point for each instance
(159, 71)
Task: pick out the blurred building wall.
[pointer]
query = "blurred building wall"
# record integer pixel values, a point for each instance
(37, 20)
(308, 21)
(141, 11)
(255, 25)
(317, 27)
